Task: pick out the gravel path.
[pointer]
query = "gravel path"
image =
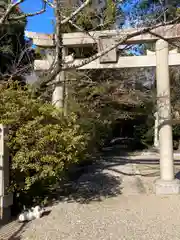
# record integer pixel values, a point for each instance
(132, 217)
(110, 202)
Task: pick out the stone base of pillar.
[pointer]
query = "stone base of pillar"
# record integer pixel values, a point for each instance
(163, 187)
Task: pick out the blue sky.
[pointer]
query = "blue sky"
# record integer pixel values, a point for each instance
(44, 22)
(41, 23)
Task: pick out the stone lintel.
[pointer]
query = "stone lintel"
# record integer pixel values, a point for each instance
(79, 38)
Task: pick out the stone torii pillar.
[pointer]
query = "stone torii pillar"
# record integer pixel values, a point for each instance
(167, 184)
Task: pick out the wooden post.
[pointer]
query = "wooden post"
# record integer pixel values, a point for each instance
(6, 199)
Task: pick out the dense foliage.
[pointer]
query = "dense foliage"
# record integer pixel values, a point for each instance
(103, 97)
(97, 97)
(43, 143)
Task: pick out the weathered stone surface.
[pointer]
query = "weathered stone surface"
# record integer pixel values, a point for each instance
(79, 38)
(111, 56)
(163, 187)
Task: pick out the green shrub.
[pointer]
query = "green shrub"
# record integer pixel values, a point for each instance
(43, 143)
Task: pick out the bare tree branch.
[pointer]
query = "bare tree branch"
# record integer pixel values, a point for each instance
(58, 34)
(12, 6)
(29, 14)
(76, 12)
(9, 10)
(122, 40)
(58, 65)
(119, 41)
(50, 4)
(161, 37)
(72, 15)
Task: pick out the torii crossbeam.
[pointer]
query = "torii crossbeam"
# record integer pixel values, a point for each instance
(161, 59)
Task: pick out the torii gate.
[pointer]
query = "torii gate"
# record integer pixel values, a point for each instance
(161, 59)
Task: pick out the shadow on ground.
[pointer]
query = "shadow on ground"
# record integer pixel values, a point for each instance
(15, 236)
(94, 185)
(12, 231)
(95, 182)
